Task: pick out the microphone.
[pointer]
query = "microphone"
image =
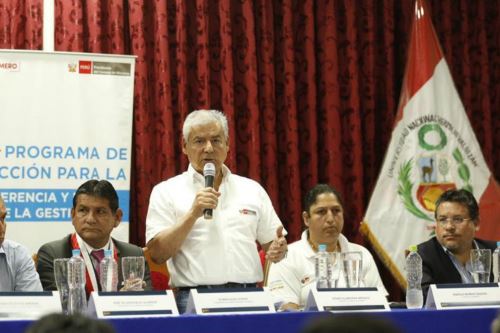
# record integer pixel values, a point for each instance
(209, 174)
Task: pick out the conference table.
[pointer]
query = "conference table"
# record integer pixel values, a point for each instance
(410, 321)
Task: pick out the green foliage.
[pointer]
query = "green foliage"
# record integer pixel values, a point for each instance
(405, 191)
(458, 156)
(463, 170)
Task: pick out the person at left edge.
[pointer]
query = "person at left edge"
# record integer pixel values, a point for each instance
(17, 269)
(94, 215)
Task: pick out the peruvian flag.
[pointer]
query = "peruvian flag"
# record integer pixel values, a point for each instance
(433, 148)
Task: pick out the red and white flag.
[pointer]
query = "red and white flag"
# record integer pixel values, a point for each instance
(433, 148)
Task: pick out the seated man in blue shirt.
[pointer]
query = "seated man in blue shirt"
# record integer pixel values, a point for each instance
(17, 269)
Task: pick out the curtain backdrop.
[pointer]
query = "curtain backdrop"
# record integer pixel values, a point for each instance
(310, 87)
(21, 24)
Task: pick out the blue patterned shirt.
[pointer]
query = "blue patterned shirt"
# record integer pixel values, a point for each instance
(464, 271)
(17, 269)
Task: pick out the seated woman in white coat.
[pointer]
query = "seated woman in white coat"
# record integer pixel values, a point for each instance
(291, 279)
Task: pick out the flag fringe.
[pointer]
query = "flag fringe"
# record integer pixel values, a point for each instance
(382, 254)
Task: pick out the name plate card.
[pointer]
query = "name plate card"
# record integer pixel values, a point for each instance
(28, 305)
(229, 300)
(132, 304)
(462, 296)
(346, 299)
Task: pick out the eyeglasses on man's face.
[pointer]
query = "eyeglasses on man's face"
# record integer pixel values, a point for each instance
(455, 220)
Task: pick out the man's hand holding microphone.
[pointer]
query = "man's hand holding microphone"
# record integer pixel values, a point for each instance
(206, 199)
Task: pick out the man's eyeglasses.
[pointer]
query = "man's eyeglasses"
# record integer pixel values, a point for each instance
(455, 220)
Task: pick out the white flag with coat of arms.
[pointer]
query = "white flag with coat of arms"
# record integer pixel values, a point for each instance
(433, 148)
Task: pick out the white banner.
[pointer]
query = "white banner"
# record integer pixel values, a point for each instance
(66, 118)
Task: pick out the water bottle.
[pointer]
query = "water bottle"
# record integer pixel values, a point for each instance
(414, 296)
(77, 300)
(322, 269)
(496, 262)
(109, 272)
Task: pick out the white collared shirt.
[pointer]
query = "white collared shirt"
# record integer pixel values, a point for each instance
(222, 249)
(292, 278)
(88, 248)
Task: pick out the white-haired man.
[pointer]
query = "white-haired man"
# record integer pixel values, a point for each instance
(218, 252)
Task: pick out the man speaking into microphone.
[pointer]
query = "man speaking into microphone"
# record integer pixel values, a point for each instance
(206, 221)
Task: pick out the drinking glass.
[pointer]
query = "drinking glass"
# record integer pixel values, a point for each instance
(335, 259)
(133, 272)
(61, 278)
(352, 264)
(480, 264)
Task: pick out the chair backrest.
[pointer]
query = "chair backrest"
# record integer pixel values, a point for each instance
(265, 266)
(159, 272)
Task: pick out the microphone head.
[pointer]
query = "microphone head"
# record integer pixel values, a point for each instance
(209, 169)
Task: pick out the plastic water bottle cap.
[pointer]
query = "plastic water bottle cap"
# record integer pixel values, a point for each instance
(322, 247)
(498, 244)
(413, 248)
(108, 253)
(75, 252)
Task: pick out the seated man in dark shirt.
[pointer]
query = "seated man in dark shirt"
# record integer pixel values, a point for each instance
(445, 257)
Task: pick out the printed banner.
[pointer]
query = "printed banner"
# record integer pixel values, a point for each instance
(66, 118)
(433, 148)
